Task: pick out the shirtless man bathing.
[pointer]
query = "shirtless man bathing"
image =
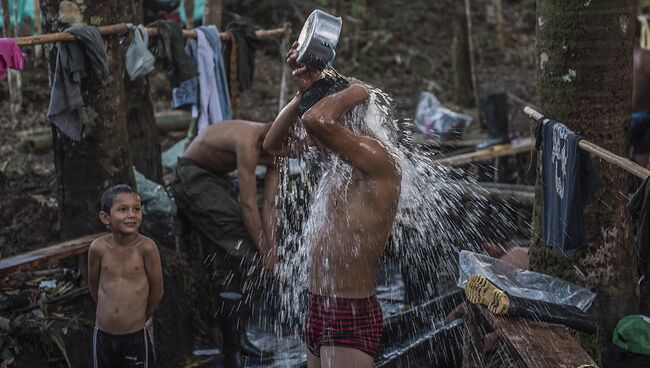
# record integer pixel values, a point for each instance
(126, 282)
(344, 322)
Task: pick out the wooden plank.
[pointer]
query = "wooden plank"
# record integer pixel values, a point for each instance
(488, 154)
(41, 256)
(538, 344)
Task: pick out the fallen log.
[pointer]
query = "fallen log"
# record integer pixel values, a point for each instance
(488, 153)
(40, 139)
(41, 256)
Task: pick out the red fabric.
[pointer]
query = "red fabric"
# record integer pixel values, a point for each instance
(10, 56)
(351, 323)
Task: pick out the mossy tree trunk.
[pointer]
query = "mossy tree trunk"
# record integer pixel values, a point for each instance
(584, 51)
(102, 158)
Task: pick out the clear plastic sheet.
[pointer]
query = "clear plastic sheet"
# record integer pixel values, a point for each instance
(153, 196)
(523, 283)
(433, 118)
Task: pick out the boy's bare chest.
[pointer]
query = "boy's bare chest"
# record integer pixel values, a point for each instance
(125, 264)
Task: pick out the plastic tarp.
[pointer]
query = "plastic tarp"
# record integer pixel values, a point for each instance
(523, 283)
(433, 118)
(171, 155)
(153, 196)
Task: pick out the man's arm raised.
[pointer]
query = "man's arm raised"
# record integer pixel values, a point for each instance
(322, 123)
(276, 141)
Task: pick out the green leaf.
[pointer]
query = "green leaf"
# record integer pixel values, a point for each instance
(61, 345)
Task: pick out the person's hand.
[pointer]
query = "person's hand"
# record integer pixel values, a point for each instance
(303, 75)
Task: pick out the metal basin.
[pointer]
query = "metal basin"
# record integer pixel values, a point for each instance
(318, 39)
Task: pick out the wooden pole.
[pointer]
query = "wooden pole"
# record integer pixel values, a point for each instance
(498, 10)
(284, 47)
(121, 28)
(212, 10)
(622, 162)
(472, 61)
(38, 27)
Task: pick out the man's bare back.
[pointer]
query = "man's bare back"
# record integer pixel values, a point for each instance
(215, 149)
(123, 285)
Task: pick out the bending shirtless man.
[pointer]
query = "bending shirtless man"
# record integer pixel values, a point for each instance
(235, 233)
(344, 323)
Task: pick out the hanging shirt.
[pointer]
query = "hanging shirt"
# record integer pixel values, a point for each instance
(73, 61)
(212, 34)
(10, 56)
(639, 207)
(569, 179)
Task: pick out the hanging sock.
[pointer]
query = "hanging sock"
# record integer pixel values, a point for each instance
(10, 56)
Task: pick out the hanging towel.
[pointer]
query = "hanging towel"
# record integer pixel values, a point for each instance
(212, 34)
(170, 48)
(138, 59)
(10, 56)
(639, 207)
(72, 62)
(569, 180)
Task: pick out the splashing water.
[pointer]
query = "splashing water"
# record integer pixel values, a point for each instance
(437, 214)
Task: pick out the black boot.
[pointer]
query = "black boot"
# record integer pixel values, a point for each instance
(233, 320)
(230, 327)
(247, 347)
(495, 112)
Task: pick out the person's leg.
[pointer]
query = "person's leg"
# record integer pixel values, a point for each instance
(137, 351)
(338, 356)
(312, 360)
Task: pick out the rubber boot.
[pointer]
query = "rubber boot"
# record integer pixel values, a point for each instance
(230, 327)
(495, 111)
(233, 320)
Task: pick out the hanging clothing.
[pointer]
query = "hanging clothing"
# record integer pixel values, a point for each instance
(247, 42)
(209, 103)
(10, 56)
(212, 34)
(170, 48)
(569, 180)
(138, 60)
(73, 61)
(639, 207)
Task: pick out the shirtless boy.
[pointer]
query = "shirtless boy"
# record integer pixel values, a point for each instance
(344, 323)
(125, 279)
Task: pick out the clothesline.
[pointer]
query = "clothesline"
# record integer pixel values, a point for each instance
(123, 28)
(622, 162)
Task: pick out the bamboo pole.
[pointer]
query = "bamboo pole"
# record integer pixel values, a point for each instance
(622, 162)
(472, 62)
(284, 47)
(122, 28)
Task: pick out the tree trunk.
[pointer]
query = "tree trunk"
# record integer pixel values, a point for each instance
(212, 10)
(584, 51)
(84, 169)
(463, 91)
(144, 143)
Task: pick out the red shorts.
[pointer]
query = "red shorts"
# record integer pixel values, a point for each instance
(351, 323)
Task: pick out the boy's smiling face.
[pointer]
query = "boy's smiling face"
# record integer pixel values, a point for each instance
(125, 216)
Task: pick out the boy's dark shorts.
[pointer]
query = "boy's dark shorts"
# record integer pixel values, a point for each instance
(117, 351)
(640, 136)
